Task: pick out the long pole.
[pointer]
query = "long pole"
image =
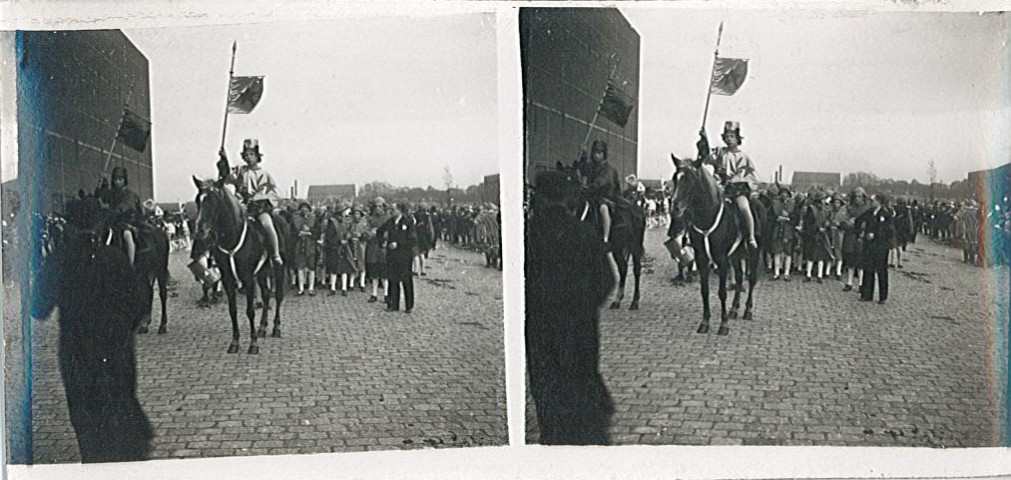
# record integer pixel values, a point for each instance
(231, 72)
(596, 112)
(709, 91)
(115, 137)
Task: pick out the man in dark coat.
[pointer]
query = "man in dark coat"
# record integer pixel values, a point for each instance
(93, 286)
(400, 237)
(567, 279)
(878, 229)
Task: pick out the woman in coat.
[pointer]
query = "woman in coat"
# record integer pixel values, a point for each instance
(814, 226)
(375, 255)
(337, 244)
(305, 248)
(359, 235)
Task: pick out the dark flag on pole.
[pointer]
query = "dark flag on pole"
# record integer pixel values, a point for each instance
(616, 105)
(728, 75)
(244, 94)
(134, 131)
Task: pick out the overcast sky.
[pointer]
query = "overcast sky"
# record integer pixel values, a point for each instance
(826, 91)
(348, 101)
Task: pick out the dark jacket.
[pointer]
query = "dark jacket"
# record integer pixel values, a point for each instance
(402, 232)
(877, 227)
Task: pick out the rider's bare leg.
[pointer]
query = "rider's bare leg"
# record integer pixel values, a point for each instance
(745, 207)
(131, 247)
(268, 227)
(605, 221)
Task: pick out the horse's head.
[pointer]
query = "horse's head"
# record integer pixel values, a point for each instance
(693, 188)
(562, 186)
(217, 210)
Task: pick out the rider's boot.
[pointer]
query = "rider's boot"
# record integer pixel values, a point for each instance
(268, 228)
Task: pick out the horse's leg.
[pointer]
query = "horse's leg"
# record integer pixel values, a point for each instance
(279, 296)
(738, 284)
(704, 283)
(250, 290)
(146, 291)
(622, 275)
(261, 280)
(163, 294)
(233, 311)
(752, 280)
(723, 273)
(637, 271)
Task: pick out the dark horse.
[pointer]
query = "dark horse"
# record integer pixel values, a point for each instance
(242, 256)
(628, 231)
(698, 204)
(150, 264)
(94, 287)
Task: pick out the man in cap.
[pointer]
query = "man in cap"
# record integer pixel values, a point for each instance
(257, 188)
(735, 170)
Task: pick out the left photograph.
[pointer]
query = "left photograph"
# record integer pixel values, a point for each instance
(262, 239)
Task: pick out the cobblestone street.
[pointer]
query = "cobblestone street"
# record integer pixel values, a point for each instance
(815, 366)
(346, 376)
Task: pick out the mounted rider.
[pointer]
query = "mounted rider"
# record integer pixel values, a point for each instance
(256, 187)
(125, 207)
(603, 183)
(735, 170)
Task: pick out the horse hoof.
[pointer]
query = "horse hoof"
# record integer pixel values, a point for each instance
(634, 306)
(233, 348)
(747, 316)
(276, 333)
(615, 305)
(162, 330)
(723, 331)
(261, 333)
(254, 349)
(704, 328)
(142, 330)
(732, 314)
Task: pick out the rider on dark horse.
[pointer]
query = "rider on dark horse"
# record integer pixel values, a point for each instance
(736, 171)
(256, 187)
(125, 208)
(603, 183)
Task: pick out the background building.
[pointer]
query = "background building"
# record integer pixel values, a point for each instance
(328, 193)
(802, 181)
(68, 119)
(490, 190)
(567, 55)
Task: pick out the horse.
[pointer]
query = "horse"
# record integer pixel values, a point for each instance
(626, 238)
(95, 288)
(716, 238)
(150, 264)
(242, 255)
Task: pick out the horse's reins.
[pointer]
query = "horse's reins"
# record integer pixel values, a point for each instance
(716, 223)
(231, 255)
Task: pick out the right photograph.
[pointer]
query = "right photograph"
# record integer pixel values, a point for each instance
(757, 227)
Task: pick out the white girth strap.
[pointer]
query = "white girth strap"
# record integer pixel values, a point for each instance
(231, 255)
(706, 233)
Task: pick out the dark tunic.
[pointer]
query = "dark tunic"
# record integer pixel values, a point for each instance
(305, 241)
(567, 279)
(94, 289)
